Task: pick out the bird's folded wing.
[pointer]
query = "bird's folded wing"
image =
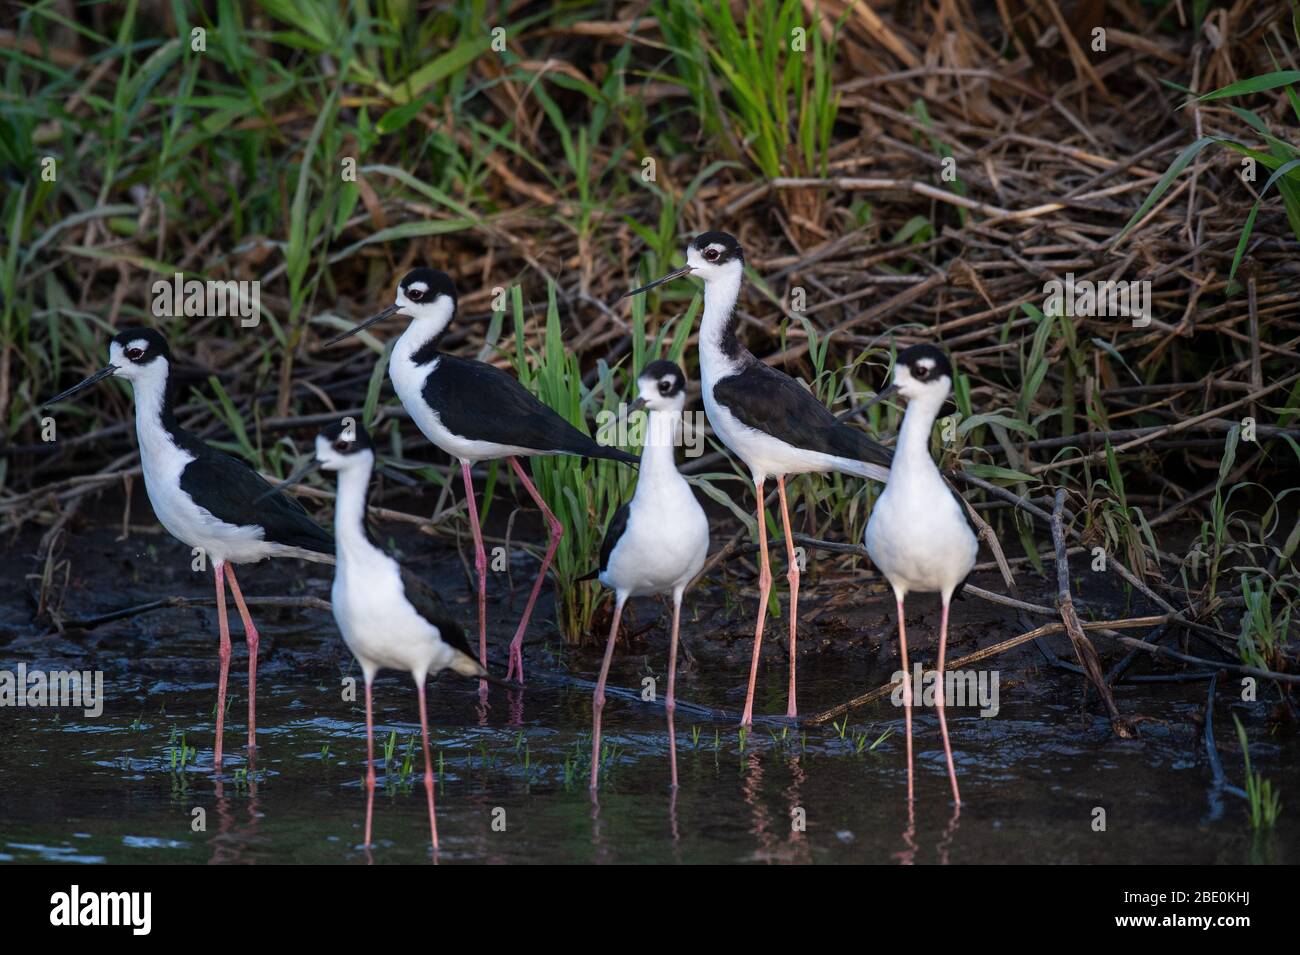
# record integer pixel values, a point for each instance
(428, 604)
(480, 401)
(233, 492)
(617, 525)
(772, 402)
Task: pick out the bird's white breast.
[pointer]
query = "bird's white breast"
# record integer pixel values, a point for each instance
(378, 624)
(918, 536)
(665, 543)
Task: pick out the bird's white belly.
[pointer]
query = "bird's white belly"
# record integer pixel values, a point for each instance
(408, 381)
(663, 548)
(162, 462)
(919, 538)
(380, 627)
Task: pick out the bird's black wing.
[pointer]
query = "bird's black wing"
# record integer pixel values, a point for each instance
(428, 604)
(480, 401)
(961, 506)
(774, 403)
(233, 492)
(617, 525)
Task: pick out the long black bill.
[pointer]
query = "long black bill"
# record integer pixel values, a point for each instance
(397, 476)
(372, 320)
(100, 375)
(684, 270)
(291, 480)
(880, 396)
(875, 399)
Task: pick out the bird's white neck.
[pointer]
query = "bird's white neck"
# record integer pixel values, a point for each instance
(658, 456)
(424, 332)
(154, 418)
(720, 350)
(350, 514)
(913, 452)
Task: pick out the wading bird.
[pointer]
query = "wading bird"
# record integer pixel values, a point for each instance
(205, 498)
(475, 412)
(385, 619)
(767, 419)
(657, 542)
(918, 534)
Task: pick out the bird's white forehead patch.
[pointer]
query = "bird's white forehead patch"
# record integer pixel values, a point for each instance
(139, 343)
(717, 247)
(925, 363)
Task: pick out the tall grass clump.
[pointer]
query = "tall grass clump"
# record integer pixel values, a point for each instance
(581, 492)
(585, 493)
(765, 84)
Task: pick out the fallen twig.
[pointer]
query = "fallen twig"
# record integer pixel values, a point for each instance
(998, 648)
(1083, 648)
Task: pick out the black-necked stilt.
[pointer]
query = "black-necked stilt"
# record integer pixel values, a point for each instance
(767, 419)
(657, 542)
(918, 534)
(385, 619)
(475, 412)
(206, 498)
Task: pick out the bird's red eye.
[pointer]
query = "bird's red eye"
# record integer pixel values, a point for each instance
(340, 445)
(135, 354)
(415, 294)
(711, 254)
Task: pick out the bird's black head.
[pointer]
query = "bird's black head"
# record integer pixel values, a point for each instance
(923, 370)
(715, 248)
(925, 362)
(661, 386)
(133, 354)
(422, 293)
(710, 256)
(138, 346)
(346, 436)
(341, 446)
(422, 287)
(665, 377)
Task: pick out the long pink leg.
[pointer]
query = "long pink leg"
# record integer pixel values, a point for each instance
(670, 704)
(480, 564)
(556, 532)
(250, 632)
(943, 722)
(792, 575)
(428, 765)
(764, 588)
(598, 698)
(907, 695)
(223, 654)
(370, 763)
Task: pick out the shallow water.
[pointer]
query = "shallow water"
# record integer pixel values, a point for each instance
(513, 778)
(513, 788)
